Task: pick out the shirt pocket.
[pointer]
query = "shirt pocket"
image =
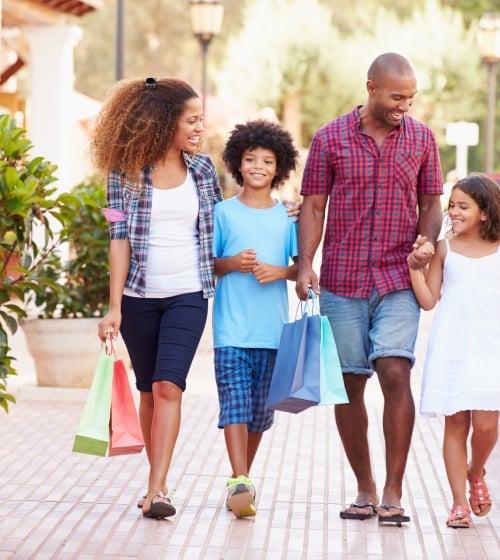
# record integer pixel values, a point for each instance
(408, 166)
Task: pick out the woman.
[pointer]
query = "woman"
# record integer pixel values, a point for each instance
(161, 192)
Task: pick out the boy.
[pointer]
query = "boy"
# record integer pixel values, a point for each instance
(255, 249)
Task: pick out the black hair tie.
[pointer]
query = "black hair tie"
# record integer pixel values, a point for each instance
(150, 83)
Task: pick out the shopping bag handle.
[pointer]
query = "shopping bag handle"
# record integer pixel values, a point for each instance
(309, 306)
(108, 346)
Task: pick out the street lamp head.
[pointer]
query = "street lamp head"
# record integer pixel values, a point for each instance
(206, 18)
(488, 37)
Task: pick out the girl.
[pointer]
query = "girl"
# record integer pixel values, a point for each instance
(161, 192)
(461, 375)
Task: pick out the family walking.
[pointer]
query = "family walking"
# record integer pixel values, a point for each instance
(371, 192)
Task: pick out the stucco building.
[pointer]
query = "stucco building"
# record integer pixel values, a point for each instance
(38, 35)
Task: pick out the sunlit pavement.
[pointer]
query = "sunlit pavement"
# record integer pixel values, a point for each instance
(55, 504)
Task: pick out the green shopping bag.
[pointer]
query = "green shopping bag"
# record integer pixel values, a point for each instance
(92, 436)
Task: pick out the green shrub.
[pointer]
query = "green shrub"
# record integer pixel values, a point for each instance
(84, 276)
(31, 213)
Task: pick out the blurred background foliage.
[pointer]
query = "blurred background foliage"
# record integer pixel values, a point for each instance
(307, 59)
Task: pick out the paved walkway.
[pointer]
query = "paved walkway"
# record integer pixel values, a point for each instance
(55, 504)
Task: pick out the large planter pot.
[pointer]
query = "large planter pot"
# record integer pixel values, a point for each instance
(65, 351)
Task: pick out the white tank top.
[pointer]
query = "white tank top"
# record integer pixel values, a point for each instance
(172, 266)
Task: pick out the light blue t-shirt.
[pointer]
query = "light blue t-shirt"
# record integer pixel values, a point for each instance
(247, 314)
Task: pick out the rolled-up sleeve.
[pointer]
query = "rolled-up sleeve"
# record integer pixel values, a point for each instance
(117, 228)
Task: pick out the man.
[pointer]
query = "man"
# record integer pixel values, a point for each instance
(380, 169)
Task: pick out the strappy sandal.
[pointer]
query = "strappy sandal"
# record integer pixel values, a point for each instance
(159, 509)
(479, 495)
(459, 518)
(141, 501)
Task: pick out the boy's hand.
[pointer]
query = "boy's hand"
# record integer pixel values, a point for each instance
(293, 208)
(266, 273)
(245, 260)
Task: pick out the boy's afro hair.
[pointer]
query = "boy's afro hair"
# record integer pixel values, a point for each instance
(261, 133)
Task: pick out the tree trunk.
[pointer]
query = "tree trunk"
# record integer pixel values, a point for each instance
(291, 117)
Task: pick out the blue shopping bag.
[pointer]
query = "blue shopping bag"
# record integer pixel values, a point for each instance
(295, 385)
(307, 371)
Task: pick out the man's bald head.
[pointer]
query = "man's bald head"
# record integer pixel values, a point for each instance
(389, 64)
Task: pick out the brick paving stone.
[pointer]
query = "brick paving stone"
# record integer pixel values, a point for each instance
(58, 505)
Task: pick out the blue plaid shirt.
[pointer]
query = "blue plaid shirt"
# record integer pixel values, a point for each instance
(129, 214)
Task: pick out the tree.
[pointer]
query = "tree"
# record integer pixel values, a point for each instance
(158, 42)
(307, 59)
(472, 9)
(306, 55)
(352, 14)
(283, 54)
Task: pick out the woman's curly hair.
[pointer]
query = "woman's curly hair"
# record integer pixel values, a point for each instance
(137, 123)
(486, 193)
(261, 134)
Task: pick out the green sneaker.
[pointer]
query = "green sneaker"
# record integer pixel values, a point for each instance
(240, 497)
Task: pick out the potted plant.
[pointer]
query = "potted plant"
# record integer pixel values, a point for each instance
(61, 331)
(83, 272)
(30, 208)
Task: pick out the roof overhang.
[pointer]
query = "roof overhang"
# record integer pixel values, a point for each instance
(17, 13)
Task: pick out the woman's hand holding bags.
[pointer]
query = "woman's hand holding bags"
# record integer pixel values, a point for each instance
(109, 417)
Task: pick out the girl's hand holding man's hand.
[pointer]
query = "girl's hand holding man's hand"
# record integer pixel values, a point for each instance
(423, 250)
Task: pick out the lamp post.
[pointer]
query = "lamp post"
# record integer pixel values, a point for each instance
(206, 22)
(119, 39)
(488, 39)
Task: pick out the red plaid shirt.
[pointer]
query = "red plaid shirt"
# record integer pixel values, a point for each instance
(372, 212)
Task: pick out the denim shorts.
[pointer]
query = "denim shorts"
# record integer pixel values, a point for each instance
(243, 377)
(162, 335)
(368, 329)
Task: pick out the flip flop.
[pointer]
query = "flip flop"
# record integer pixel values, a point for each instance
(161, 508)
(395, 519)
(360, 516)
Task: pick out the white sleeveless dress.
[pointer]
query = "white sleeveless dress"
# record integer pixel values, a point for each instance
(462, 368)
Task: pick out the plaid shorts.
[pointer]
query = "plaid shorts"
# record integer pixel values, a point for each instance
(243, 377)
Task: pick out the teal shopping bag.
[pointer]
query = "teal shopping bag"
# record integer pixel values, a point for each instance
(92, 436)
(331, 377)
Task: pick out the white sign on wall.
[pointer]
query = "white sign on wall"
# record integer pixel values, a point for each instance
(462, 134)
